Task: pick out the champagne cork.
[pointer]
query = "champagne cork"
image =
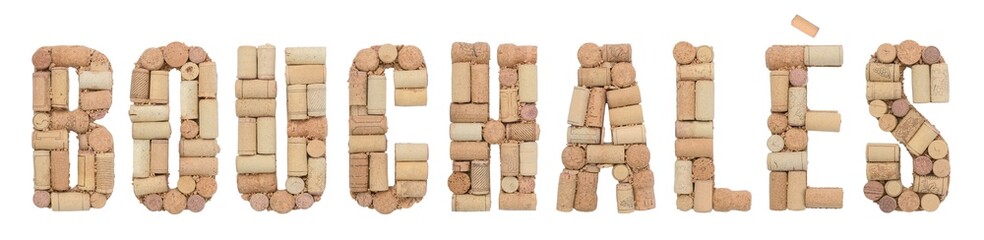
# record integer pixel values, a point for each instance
(41, 58)
(694, 72)
(881, 72)
(921, 140)
(886, 53)
(256, 107)
(105, 172)
(596, 108)
(471, 203)
(617, 52)
(931, 184)
(778, 123)
(461, 52)
(70, 201)
(584, 135)
(787, 161)
(461, 82)
(256, 89)
(305, 74)
(480, 178)
(297, 157)
(376, 95)
(624, 116)
(805, 26)
(797, 106)
(884, 90)
(410, 96)
(517, 201)
(624, 97)
(683, 182)
(198, 148)
(70, 56)
(367, 143)
(586, 194)
(411, 171)
(795, 197)
(939, 78)
(780, 57)
(589, 55)
(574, 157)
(908, 201)
(316, 128)
(144, 186)
(874, 190)
(508, 77)
(823, 55)
(741, 200)
(686, 100)
(605, 154)
(189, 99)
(594, 77)
(642, 189)
(148, 113)
(411, 189)
(358, 172)
(378, 176)
(637, 156)
(266, 135)
(941, 168)
(703, 169)
(566, 190)
(776, 143)
(367, 125)
(684, 52)
(527, 83)
(687, 129)
(823, 121)
(685, 202)
(723, 199)
(95, 100)
(297, 102)
(882, 152)
(494, 132)
(579, 106)
(247, 136)
(629, 134)
(189, 71)
(695, 147)
(625, 202)
(908, 126)
(469, 151)
(304, 55)
(466, 131)
(42, 170)
(198, 166)
(469, 113)
(704, 101)
(256, 164)
(509, 105)
(459, 183)
(703, 195)
(42, 92)
(151, 130)
(922, 165)
(96, 80)
(247, 62)
(207, 79)
(527, 159)
(929, 202)
(523, 131)
(824, 198)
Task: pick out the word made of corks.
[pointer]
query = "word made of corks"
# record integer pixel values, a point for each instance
(256, 96)
(888, 103)
(199, 127)
(368, 173)
(789, 122)
(473, 132)
(53, 120)
(694, 167)
(606, 77)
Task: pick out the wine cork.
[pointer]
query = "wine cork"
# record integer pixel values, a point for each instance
(908, 201)
(297, 102)
(797, 106)
(684, 202)
(95, 100)
(410, 57)
(480, 178)
(529, 131)
(881, 72)
(686, 100)
(411, 171)
(694, 72)
(508, 77)
(883, 171)
(305, 74)
(887, 204)
(921, 139)
(874, 190)
(266, 56)
(625, 201)
(282, 202)
(527, 83)
(584, 135)
(939, 78)
(595, 115)
(617, 52)
(629, 134)
(189, 71)
(684, 52)
(315, 100)
(297, 157)
(931, 55)
(461, 166)
(798, 77)
(900, 107)
(41, 90)
(805, 26)
(886, 53)
(703, 169)
(509, 105)
(316, 148)
(578, 107)
(469, 151)
(624, 116)
(637, 156)
(358, 87)
(49, 140)
(528, 111)
(189, 129)
(41, 58)
(70, 201)
(780, 57)
(589, 55)
(573, 157)
(882, 152)
(410, 96)
(98, 200)
(908, 126)
(517, 201)
(411, 189)
(566, 190)
(941, 168)
(623, 97)
(150, 130)
(823, 121)
(105, 172)
(42, 120)
(189, 99)
(153, 202)
(528, 159)
(247, 62)
(315, 181)
(71, 56)
(266, 135)
(695, 147)
(75, 121)
(921, 85)
(256, 164)
(824, 198)
(509, 184)
(469, 113)
(140, 84)
(461, 82)
(703, 195)
(198, 148)
(621, 173)
(466, 131)
(410, 78)
(877, 108)
(893, 188)
(687, 129)
(704, 101)
(186, 184)
(586, 194)
(909, 52)
(304, 55)
(779, 82)
(823, 55)
(594, 77)
(367, 125)
(459, 183)
(683, 182)
(256, 107)
(316, 128)
(247, 136)
(884, 90)
(922, 165)
(87, 172)
(42, 170)
(198, 166)
(494, 132)
(378, 175)
(527, 184)
(144, 186)
(358, 172)
(471, 202)
(207, 79)
(97, 80)
(723, 199)
(175, 54)
(462, 52)
(196, 203)
(367, 143)
(605, 154)
(294, 185)
(776, 143)
(931, 184)
(795, 197)
(929, 202)
(778, 123)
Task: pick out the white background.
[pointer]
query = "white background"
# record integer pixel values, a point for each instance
(739, 32)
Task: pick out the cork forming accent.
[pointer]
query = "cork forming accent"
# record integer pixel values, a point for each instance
(368, 175)
(694, 168)
(149, 113)
(256, 93)
(472, 131)
(888, 103)
(53, 120)
(606, 77)
(789, 122)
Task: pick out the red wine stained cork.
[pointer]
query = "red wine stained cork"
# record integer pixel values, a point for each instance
(385, 202)
(931, 55)
(798, 77)
(197, 55)
(777, 190)
(366, 60)
(684, 52)
(623, 75)
(410, 58)
(637, 156)
(282, 202)
(175, 54)
(589, 55)
(151, 59)
(153, 202)
(784, 57)
(259, 201)
(874, 190)
(42, 199)
(778, 123)
(795, 139)
(922, 165)
(909, 53)
(196, 203)
(908, 201)
(459, 183)
(900, 107)
(42, 58)
(574, 157)
(304, 201)
(529, 112)
(887, 204)
(885, 53)
(175, 202)
(703, 169)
